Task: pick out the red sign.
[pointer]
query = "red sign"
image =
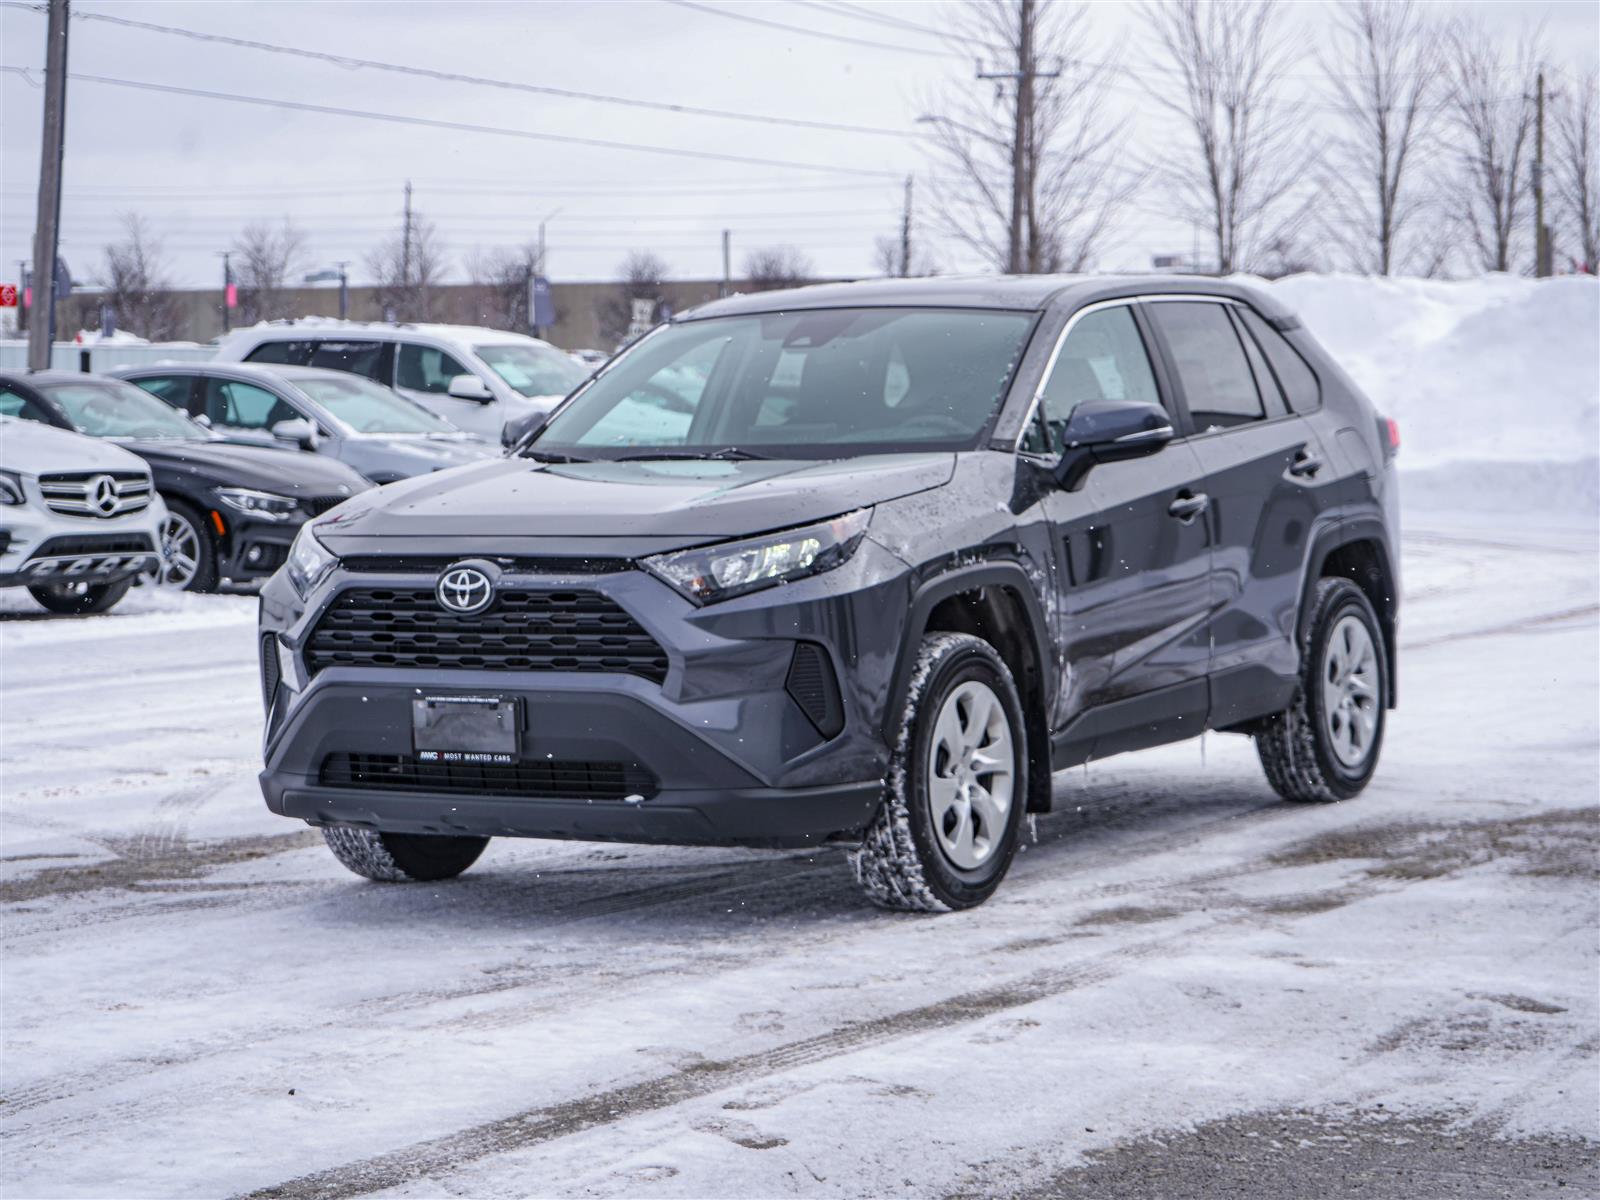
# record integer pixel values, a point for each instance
(232, 296)
(8, 295)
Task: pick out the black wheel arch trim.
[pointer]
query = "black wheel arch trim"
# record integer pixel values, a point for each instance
(1348, 532)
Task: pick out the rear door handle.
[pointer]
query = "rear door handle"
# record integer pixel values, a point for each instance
(1305, 465)
(1187, 506)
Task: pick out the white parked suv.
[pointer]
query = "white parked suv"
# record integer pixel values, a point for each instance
(79, 517)
(477, 379)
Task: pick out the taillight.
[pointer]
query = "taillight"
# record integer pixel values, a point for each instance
(1389, 434)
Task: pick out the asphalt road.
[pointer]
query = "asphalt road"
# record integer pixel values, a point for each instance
(1185, 988)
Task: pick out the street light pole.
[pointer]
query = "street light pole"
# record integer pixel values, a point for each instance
(47, 226)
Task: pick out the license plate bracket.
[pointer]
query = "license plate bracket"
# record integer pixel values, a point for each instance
(464, 729)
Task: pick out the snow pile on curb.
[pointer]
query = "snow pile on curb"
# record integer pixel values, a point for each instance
(1495, 382)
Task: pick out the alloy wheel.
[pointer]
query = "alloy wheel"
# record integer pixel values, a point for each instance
(1350, 691)
(970, 774)
(180, 552)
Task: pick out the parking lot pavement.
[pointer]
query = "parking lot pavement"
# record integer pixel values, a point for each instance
(1185, 988)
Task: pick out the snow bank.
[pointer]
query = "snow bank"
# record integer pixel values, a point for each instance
(1495, 381)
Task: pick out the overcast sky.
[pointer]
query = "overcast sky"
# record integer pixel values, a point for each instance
(199, 168)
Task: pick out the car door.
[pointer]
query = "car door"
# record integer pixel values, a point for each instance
(246, 412)
(1267, 479)
(1133, 554)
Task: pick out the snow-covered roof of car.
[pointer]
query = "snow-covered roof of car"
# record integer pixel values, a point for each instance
(463, 334)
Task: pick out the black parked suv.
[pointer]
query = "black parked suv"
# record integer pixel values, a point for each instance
(859, 564)
(232, 511)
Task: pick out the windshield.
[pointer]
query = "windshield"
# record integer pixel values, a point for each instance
(821, 384)
(368, 407)
(533, 370)
(111, 408)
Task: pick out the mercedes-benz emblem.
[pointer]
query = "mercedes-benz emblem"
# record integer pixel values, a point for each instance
(103, 496)
(464, 590)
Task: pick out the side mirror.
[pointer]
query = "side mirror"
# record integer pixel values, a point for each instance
(203, 420)
(470, 387)
(519, 429)
(297, 430)
(1109, 431)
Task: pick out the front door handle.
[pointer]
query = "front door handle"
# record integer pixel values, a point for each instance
(1305, 465)
(1188, 505)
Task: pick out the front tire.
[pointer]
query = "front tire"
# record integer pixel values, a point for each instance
(76, 599)
(188, 555)
(403, 857)
(946, 830)
(1325, 746)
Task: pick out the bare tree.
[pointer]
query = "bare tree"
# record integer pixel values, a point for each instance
(139, 285)
(1576, 173)
(1032, 187)
(1493, 119)
(1247, 155)
(406, 269)
(267, 257)
(890, 255)
(772, 267)
(500, 281)
(1382, 68)
(642, 275)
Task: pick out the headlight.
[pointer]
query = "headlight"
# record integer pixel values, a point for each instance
(734, 568)
(259, 504)
(309, 561)
(11, 488)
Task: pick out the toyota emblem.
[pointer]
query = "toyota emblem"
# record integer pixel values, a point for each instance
(464, 590)
(103, 495)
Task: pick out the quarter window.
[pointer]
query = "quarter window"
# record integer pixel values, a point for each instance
(1298, 381)
(1103, 358)
(1211, 365)
(425, 369)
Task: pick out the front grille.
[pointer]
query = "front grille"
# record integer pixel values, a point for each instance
(321, 504)
(524, 630)
(411, 564)
(95, 543)
(533, 780)
(100, 494)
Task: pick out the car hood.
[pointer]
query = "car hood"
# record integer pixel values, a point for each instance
(444, 450)
(704, 500)
(40, 450)
(228, 464)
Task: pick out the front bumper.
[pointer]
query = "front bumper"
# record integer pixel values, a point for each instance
(727, 753)
(38, 546)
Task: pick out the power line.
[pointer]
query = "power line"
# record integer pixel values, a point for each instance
(461, 126)
(347, 61)
(816, 33)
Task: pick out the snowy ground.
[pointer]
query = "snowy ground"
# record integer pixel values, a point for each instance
(1184, 987)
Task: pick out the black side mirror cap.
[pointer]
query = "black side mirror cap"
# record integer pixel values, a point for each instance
(1109, 431)
(519, 429)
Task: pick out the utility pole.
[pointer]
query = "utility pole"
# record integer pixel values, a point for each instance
(727, 264)
(227, 290)
(23, 301)
(405, 244)
(1541, 232)
(47, 225)
(344, 291)
(1023, 252)
(905, 233)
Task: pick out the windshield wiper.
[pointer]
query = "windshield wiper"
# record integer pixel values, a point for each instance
(725, 454)
(546, 456)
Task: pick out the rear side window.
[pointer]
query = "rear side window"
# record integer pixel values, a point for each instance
(1298, 381)
(174, 389)
(1211, 364)
(425, 369)
(294, 353)
(359, 358)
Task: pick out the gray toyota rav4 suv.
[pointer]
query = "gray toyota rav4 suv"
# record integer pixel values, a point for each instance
(857, 564)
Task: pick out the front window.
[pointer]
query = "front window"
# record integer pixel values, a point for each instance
(425, 369)
(532, 370)
(111, 408)
(820, 384)
(367, 407)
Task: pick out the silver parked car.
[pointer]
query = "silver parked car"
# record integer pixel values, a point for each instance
(363, 424)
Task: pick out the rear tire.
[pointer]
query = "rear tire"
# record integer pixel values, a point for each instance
(403, 857)
(946, 830)
(76, 599)
(1325, 746)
